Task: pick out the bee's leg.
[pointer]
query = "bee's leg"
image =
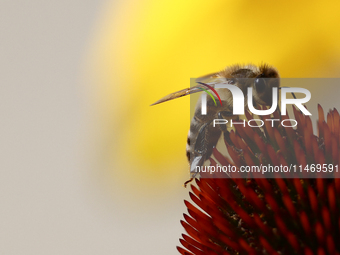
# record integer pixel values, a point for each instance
(196, 157)
(225, 115)
(197, 148)
(207, 138)
(201, 141)
(188, 181)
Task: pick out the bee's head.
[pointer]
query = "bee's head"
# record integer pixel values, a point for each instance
(263, 83)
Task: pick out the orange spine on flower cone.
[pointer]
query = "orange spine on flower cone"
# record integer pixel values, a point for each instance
(269, 216)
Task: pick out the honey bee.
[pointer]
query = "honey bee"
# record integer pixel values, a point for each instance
(203, 137)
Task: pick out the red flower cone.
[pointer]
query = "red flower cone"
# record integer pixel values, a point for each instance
(279, 215)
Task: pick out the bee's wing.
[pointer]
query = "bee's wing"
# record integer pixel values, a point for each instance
(210, 78)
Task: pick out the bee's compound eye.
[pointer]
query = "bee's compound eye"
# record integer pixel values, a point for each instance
(260, 85)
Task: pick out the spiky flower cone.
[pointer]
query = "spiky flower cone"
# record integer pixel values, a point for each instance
(269, 216)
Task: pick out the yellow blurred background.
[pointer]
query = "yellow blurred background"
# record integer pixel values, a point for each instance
(144, 50)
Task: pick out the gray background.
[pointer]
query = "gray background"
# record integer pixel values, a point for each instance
(49, 202)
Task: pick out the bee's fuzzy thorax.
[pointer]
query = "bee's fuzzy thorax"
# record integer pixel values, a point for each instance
(249, 71)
